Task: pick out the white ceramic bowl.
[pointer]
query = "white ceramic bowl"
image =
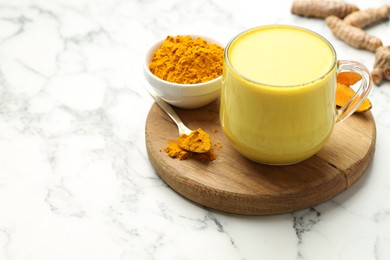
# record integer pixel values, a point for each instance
(182, 95)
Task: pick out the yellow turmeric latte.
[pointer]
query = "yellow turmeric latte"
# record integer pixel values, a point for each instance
(277, 97)
(185, 60)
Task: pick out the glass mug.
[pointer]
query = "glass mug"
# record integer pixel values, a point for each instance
(278, 93)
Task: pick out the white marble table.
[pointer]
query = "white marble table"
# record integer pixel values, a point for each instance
(75, 179)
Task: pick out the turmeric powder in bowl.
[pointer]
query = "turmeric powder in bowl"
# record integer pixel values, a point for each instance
(187, 60)
(185, 71)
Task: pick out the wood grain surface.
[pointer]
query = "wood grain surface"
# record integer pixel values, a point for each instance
(235, 184)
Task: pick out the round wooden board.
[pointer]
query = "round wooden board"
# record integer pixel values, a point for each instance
(235, 184)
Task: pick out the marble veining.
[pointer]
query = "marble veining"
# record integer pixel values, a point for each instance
(75, 178)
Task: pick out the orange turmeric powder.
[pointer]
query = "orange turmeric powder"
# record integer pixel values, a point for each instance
(175, 151)
(198, 141)
(185, 60)
(209, 156)
(197, 145)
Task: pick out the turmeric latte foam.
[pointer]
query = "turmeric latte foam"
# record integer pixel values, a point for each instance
(281, 56)
(278, 92)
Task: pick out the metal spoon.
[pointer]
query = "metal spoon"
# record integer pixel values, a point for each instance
(183, 129)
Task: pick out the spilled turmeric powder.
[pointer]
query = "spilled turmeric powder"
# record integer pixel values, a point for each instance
(185, 60)
(197, 145)
(175, 151)
(209, 156)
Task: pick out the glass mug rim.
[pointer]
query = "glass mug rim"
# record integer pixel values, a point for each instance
(271, 26)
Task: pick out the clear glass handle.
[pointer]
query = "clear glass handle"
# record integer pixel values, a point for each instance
(361, 94)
